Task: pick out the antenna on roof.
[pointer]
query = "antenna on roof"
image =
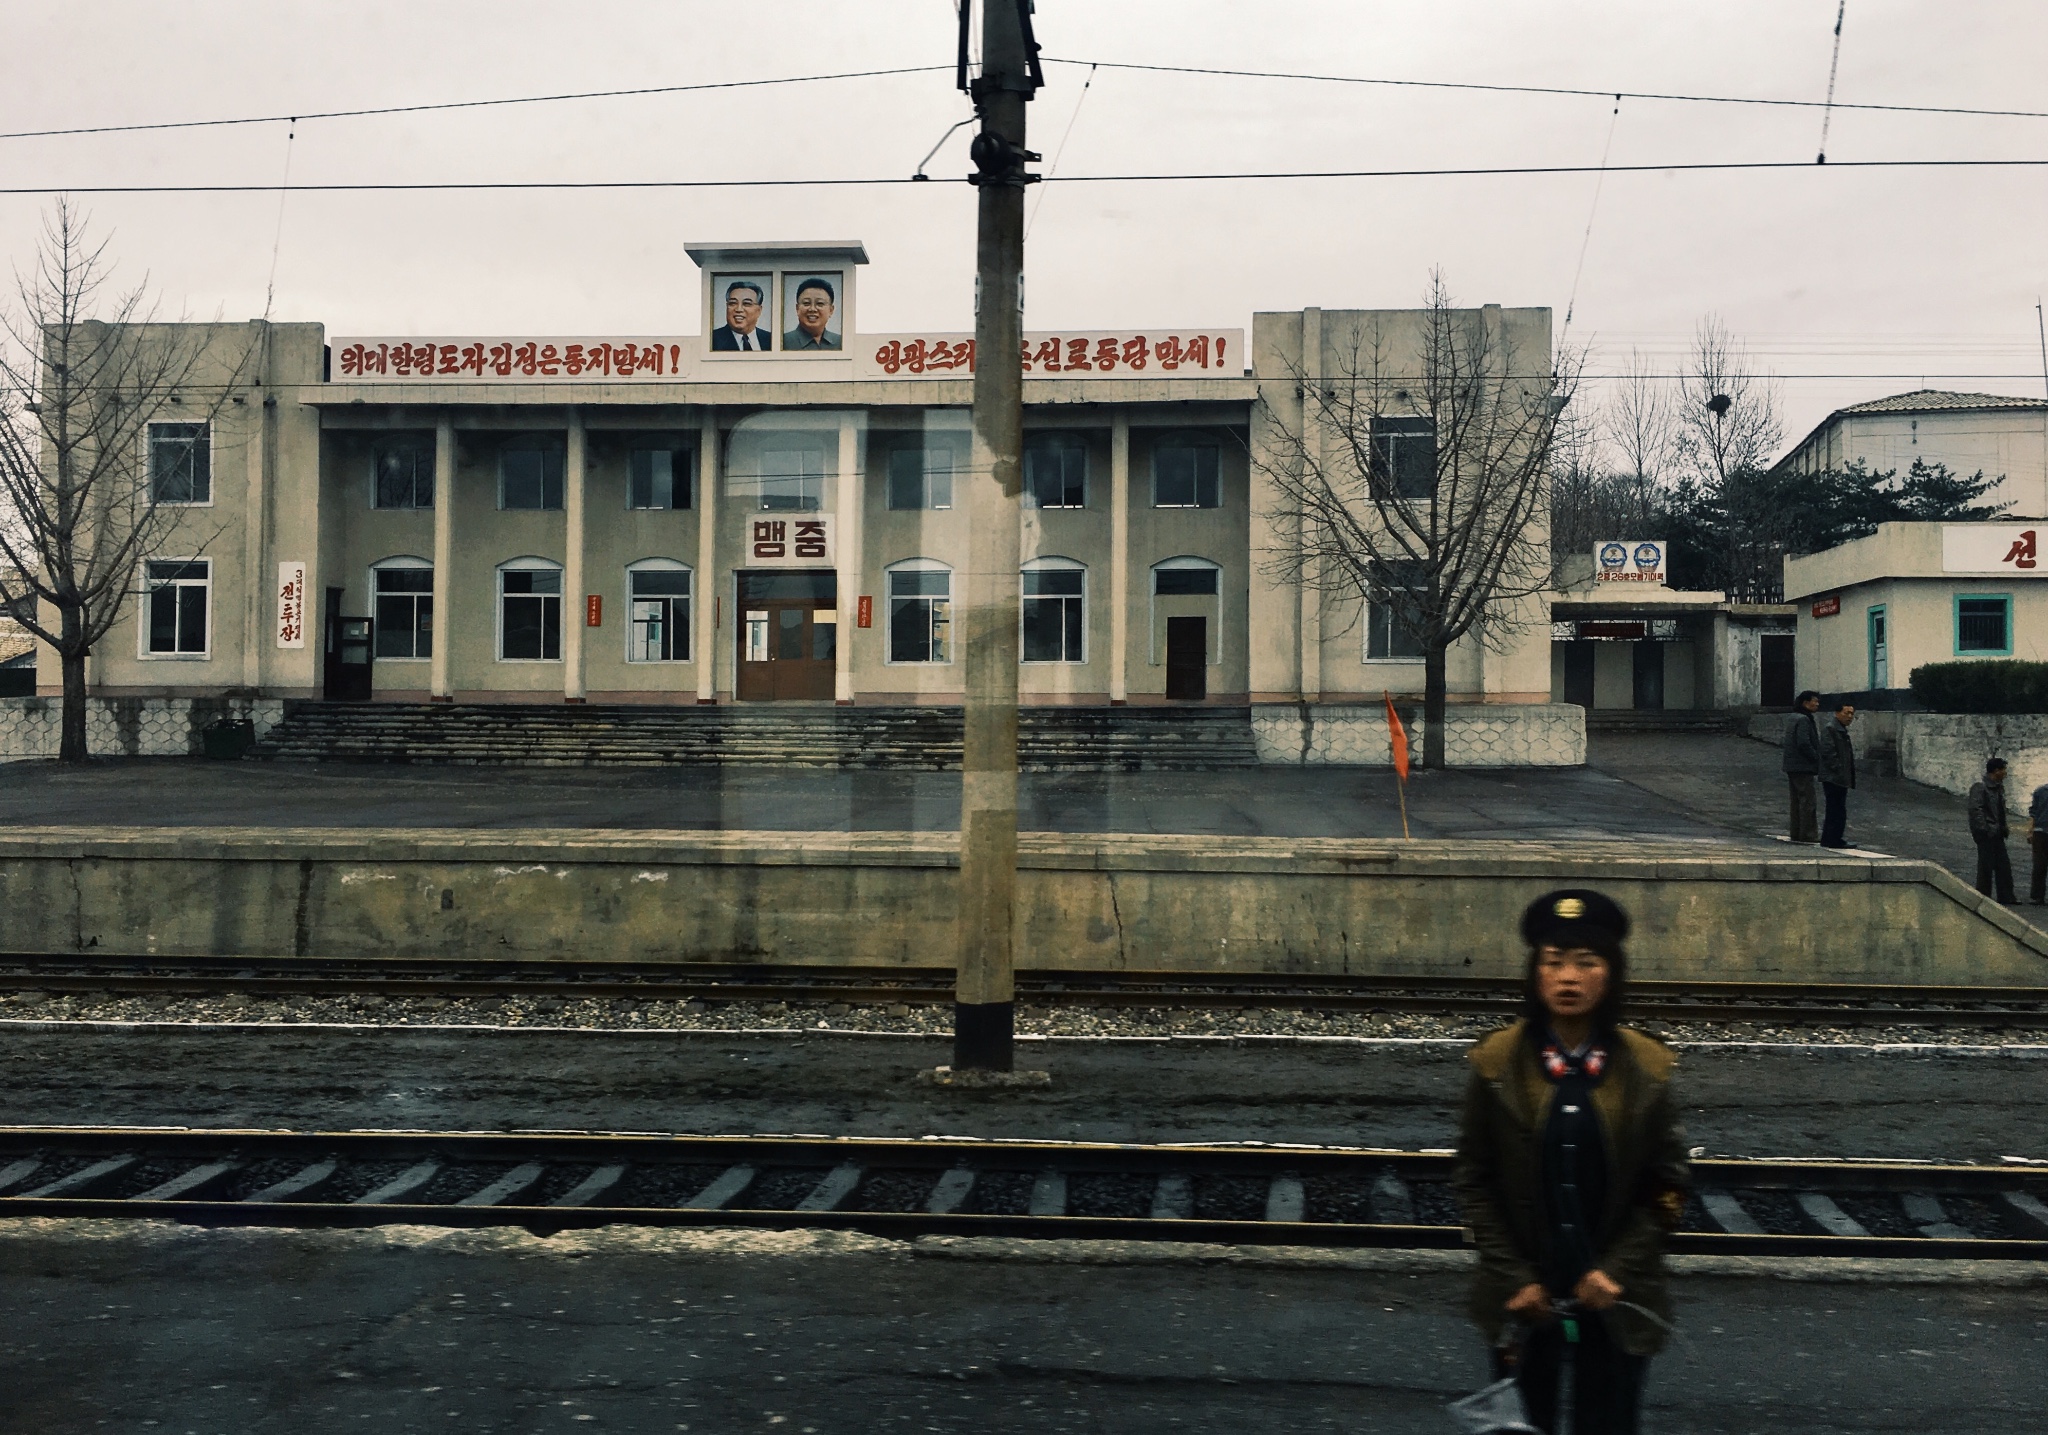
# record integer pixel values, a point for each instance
(2041, 327)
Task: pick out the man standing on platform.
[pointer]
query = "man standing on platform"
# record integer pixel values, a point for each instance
(1802, 764)
(2037, 840)
(1837, 775)
(1988, 829)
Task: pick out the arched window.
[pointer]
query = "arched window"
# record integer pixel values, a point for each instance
(1055, 470)
(658, 611)
(920, 612)
(530, 611)
(1055, 611)
(403, 589)
(1185, 469)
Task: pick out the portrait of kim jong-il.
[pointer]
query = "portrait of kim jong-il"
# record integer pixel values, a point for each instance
(808, 311)
(745, 297)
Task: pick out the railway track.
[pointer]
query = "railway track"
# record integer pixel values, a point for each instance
(1239, 1194)
(1770, 1003)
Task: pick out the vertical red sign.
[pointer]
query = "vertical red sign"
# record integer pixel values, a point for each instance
(864, 613)
(593, 611)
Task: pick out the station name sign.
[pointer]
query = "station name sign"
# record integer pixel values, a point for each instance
(1124, 354)
(798, 540)
(2007, 548)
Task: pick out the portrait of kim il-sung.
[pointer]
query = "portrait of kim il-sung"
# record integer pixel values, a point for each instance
(809, 304)
(742, 301)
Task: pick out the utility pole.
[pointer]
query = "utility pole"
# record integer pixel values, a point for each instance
(984, 998)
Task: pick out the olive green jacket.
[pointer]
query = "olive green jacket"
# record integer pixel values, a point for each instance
(1499, 1177)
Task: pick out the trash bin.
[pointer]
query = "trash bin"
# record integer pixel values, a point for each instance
(227, 739)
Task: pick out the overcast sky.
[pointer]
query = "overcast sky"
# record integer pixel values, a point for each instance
(1832, 271)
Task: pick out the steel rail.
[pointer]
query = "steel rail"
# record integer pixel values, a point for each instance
(735, 982)
(88, 1165)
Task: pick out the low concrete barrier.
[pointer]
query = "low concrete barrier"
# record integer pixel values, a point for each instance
(1090, 903)
(1948, 750)
(127, 727)
(1475, 734)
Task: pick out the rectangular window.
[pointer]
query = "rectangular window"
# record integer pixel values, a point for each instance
(403, 472)
(660, 600)
(1984, 626)
(530, 615)
(1404, 455)
(1184, 582)
(1056, 472)
(177, 606)
(180, 463)
(1184, 475)
(921, 478)
(792, 480)
(919, 614)
(1391, 616)
(530, 477)
(405, 612)
(1054, 620)
(658, 478)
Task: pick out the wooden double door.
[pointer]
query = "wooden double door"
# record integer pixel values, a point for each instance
(788, 636)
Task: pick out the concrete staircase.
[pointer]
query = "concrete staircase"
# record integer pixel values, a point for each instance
(604, 735)
(1666, 720)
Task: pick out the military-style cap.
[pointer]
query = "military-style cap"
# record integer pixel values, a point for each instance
(1574, 917)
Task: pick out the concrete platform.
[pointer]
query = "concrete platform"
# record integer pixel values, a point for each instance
(276, 1333)
(1110, 902)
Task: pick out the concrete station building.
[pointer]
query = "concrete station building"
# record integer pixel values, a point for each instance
(771, 512)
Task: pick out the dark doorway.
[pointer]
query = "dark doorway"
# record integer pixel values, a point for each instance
(1578, 672)
(346, 675)
(788, 636)
(1777, 670)
(1187, 659)
(1649, 677)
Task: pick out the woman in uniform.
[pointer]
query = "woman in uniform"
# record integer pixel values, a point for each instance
(1571, 1168)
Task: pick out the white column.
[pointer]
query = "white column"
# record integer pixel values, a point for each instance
(572, 563)
(707, 586)
(1311, 593)
(1120, 559)
(444, 554)
(847, 520)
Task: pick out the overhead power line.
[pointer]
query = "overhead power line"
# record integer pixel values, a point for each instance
(465, 104)
(1479, 171)
(1603, 93)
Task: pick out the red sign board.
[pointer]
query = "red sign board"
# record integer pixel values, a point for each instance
(864, 612)
(593, 611)
(1827, 607)
(1617, 628)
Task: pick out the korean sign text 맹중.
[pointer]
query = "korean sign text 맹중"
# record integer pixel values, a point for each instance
(780, 542)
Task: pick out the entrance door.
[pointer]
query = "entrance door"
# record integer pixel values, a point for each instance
(346, 671)
(1776, 691)
(1187, 659)
(1579, 659)
(788, 636)
(1649, 677)
(1880, 651)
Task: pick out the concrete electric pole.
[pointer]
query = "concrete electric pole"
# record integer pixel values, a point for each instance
(984, 1010)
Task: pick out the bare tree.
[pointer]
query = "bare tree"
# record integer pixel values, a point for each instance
(83, 372)
(1727, 420)
(1417, 476)
(1609, 469)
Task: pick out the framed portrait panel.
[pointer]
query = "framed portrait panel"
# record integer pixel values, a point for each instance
(742, 313)
(812, 300)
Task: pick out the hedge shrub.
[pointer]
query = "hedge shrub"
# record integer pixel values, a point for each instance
(2001, 685)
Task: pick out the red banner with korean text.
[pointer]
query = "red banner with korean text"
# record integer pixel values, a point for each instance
(1127, 354)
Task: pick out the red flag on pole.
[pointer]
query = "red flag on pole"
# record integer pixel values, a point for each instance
(1397, 736)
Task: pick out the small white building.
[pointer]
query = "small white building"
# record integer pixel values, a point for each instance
(1871, 611)
(1997, 434)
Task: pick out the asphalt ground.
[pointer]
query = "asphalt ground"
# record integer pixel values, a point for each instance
(1681, 786)
(1738, 1100)
(145, 1328)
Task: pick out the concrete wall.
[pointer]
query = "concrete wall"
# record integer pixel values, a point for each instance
(126, 727)
(1115, 903)
(1475, 735)
(1876, 735)
(1947, 750)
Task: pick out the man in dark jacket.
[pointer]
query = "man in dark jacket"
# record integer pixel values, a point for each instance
(1988, 829)
(1837, 775)
(1802, 764)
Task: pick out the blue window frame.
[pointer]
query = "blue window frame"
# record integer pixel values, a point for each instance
(1983, 625)
(1880, 649)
